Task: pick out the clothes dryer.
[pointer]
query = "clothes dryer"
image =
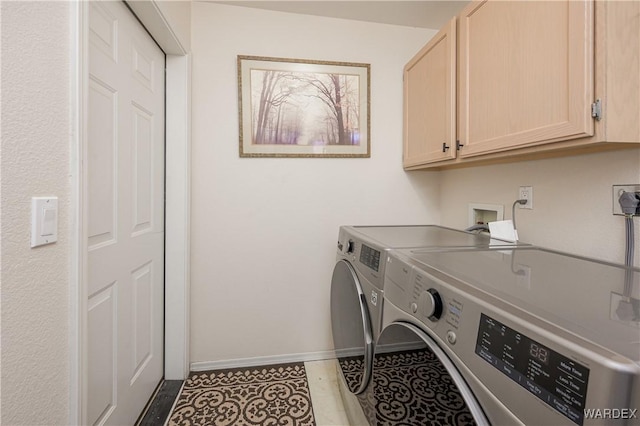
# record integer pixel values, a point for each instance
(510, 336)
(357, 288)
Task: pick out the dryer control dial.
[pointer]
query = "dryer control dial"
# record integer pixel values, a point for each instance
(351, 247)
(431, 304)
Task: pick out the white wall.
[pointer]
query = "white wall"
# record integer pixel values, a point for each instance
(264, 230)
(35, 162)
(572, 200)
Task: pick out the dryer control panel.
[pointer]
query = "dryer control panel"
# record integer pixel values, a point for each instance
(553, 378)
(370, 257)
(365, 256)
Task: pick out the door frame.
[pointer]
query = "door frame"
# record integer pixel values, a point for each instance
(177, 198)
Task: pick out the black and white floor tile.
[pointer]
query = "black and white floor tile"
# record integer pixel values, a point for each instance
(276, 395)
(413, 388)
(308, 393)
(302, 394)
(410, 388)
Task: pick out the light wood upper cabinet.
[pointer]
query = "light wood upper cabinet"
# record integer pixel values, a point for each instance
(429, 101)
(618, 71)
(526, 73)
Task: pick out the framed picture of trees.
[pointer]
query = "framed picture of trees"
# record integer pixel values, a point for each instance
(303, 108)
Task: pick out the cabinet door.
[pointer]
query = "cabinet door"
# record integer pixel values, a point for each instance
(429, 101)
(526, 73)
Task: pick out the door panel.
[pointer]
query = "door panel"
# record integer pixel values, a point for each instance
(143, 163)
(351, 327)
(102, 352)
(125, 214)
(526, 73)
(142, 315)
(102, 155)
(430, 94)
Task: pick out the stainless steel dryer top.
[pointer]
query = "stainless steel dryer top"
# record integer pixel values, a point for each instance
(594, 300)
(424, 236)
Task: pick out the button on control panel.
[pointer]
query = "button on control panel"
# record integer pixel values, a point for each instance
(454, 312)
(370, 257)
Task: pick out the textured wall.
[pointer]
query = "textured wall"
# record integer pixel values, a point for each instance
(572, 200)
(35, 162)
(264, 230)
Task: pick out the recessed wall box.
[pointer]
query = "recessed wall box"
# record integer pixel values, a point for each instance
(482, 214)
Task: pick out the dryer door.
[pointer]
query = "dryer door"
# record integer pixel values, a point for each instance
(415, 383)
(351, 327)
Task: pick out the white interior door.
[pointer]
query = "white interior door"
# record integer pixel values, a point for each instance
(125, 215)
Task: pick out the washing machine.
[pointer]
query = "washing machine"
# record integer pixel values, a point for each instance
(357, 290)
(520, 335)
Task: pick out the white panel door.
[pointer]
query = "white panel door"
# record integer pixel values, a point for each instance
(125, 215)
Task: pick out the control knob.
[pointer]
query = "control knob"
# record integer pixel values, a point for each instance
(351, 247)
(431, 304)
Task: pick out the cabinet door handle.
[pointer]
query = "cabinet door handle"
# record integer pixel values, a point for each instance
(458, 145)
(445, 147)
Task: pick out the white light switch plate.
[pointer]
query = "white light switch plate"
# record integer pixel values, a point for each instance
(44, 220)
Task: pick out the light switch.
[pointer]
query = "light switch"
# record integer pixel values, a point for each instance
(44, 220)
(48, 221)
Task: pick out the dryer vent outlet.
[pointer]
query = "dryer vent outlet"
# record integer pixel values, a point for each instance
(482, 214)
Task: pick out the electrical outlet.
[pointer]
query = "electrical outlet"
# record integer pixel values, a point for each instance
(526, 193)
(617, 192)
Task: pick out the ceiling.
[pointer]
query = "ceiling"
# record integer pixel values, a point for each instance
(423, 14)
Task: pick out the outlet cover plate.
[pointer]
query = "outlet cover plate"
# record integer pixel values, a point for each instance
(617, 191)
(526, 192)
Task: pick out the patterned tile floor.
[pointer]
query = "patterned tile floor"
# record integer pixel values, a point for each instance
(288, 395)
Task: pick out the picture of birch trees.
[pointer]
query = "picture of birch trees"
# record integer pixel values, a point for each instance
(300, 108)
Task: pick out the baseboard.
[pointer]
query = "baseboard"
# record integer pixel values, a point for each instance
(261, 360)
(287, 358)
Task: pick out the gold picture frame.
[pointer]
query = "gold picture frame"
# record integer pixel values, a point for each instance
(303, 108)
